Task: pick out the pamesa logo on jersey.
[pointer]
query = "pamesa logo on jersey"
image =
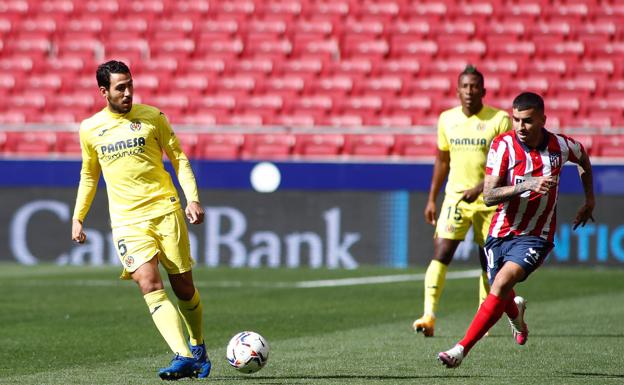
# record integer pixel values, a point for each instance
(469, 142)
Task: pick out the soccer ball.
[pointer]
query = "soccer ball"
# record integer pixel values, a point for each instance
(247, 352)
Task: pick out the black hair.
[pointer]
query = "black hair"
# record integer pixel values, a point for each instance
(471, 70)
(110, 67)
(527, 101)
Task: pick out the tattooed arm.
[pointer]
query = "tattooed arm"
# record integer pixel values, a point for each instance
(494, 193)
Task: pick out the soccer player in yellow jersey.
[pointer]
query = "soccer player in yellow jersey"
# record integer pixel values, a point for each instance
(125, 142)
(464, 136)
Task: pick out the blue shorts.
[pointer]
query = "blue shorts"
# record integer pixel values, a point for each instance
(528, 251)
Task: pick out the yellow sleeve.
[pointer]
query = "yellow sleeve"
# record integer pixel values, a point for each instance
(89, 177)
(169, 142)
(442, 140)
(505, 124)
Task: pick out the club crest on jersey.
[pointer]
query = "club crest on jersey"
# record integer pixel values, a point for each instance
(555, 160)
(481, 126)
(129, 260)
(135, 125)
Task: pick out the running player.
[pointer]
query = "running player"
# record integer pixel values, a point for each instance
(464, 136)
(522, 178)
(125, 142)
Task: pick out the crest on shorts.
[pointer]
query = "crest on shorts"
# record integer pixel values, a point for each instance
(555, 159)
(450, 228)
(129, 260)
(135, 125)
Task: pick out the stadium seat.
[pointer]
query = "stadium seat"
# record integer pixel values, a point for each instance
(611, 146)
(319, 47)
(416, 145)
(68, 143)
(359, 65)
(16, 63)
(287, 85)
(368, 145)
(188, 142)
(522, 50)
(433, 10)
(256, 66)
(218, 26)
(320, 27)
(406, 46)
(355, 46)
(418, 27)
(268, 146)
(386, 85)
(267, 44)
(37, 143)
(219, 145)
(219, 44)
(390, 121)
(318, 145)
(304, 65)
(399, 66)
(359, 104)
(409, 104)
(301, 120)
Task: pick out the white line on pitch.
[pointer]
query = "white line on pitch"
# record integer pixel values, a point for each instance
(381, 279)
(373, 280)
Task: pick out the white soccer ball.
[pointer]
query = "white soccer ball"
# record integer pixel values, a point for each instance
(247, 352)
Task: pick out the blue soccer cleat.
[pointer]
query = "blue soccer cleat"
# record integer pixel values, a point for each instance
(180, 367)
(201, 358)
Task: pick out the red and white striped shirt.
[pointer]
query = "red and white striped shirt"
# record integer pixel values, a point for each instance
(529, 213)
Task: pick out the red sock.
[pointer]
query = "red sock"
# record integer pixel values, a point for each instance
(510, 306)
(489, 312)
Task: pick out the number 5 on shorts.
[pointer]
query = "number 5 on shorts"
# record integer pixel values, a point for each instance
(122, 247)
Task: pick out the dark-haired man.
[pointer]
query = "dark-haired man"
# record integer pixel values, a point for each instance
(464, 136)
(522, 178)
(125, 142)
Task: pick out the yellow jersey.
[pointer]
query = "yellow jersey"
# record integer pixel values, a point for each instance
(467, 139)
(128, 150)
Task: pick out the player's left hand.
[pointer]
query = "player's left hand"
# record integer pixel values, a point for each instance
(471, 194)
(195, 213)
(583, 215)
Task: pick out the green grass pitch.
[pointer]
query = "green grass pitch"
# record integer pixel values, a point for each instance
(81, 325)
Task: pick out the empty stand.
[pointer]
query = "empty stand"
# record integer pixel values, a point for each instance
(301, 63)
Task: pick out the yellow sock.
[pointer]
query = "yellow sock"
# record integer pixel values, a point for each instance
(434, 284)
(484, 287)
(167, 321)
(192, 314)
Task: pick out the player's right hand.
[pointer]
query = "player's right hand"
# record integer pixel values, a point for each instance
(430, 213)
(78, 235)
(543, 184)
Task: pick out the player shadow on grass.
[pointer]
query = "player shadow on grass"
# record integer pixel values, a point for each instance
(341, 376)
(564, 335)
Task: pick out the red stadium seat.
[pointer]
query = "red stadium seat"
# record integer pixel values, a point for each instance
(316, 46)
(266, 44)
(220, 27)
(188, 142)
(386, 8)
(219, 44)
(416, 145)
(391, 121)
(462, 28)
(418, 27)
(370, 28)
(293, 120)
(418, 103)
(368, 145)
(359, 104)
(519, 50)
(436, 84)
(265, 27)
(359, 65)
(399, 66)
(472, 50)
(68, 143)
(343, 121)
(38, 143)
(611, 146)
(318, 145)
(268, 146)
(406, 46)
(291, 8)
(386, 85)
(219, 146)
(547, 66)
(16, 63)
(305, 65)
(321, 27)
(433, 10)
(259, 103)
(358, 46)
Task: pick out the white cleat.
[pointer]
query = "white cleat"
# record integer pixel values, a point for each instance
(519, 328)
(453, 357)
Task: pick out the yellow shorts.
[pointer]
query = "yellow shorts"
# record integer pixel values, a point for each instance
(456, 218)
(165, 236)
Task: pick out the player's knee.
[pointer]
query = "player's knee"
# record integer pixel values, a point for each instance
(148, 286)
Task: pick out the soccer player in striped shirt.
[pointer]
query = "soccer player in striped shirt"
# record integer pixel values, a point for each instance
(125, 142)
(522, 178)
